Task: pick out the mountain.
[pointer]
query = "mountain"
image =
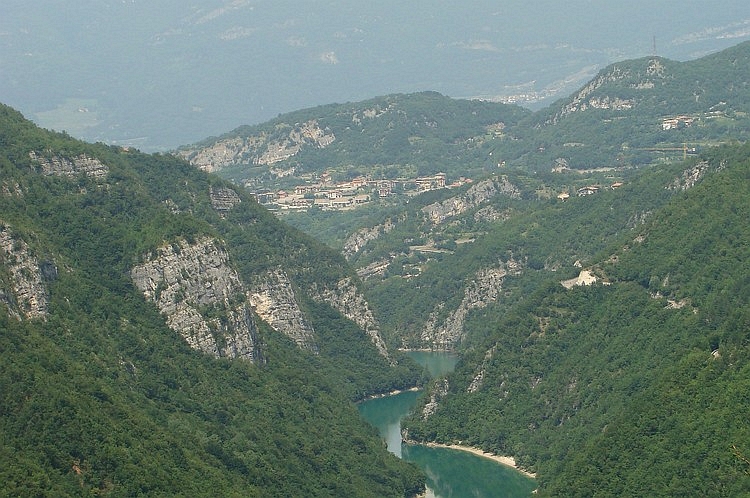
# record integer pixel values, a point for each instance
(470, 242)
(630, 114)
(628, 383)
(392, 136)
(162, 75)
(636, 109)
(163, 331)
(163, 334)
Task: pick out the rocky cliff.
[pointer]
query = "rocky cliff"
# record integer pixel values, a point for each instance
(56, 165)
(201, 297)
(223, 199)
(482, 290)
(264, 149)
(347, 299)
(274, 300)
(23, 290)
(359, 239)
(483, 191)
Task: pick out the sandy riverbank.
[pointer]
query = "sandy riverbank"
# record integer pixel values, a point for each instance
(392, 393)
(504, 460)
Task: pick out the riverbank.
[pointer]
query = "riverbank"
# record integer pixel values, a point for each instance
(392, 393)
(504, 460)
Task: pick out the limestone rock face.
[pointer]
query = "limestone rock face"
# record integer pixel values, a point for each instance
(483, 191)
(478, 381)
(223, 199)
(439, 391)
(201, 296)
(690, 177)
(484, 289)
(274, 300)
(11, 188)
(347, 299)
(62, 166)
(264, 149)
(361, 237)
(26, 296)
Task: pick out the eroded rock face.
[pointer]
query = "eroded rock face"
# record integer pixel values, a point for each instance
(223, 199)
(483, 191)
(478, 381)
(263, 149)
(359, 239)
(439, 391)
(484, 289)
(62, 166)
(690, 177)
(201, 296)
(347, 299)
(26, 296)
(274, 300)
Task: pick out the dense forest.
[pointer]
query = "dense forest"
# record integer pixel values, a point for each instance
(101, 397)
(633, 386)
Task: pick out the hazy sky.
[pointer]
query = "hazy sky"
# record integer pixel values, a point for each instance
(160, 73)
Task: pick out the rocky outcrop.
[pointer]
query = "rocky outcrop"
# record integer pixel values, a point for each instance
(585, 277)
(586, 98)
(26, 295)
(201, 297)
(478, 381)
(438, 392)
(490, 214)
(223, 153)
(223, 199)
(690, 177)
(10, 188)
(274, 300)
(483, 289)
(62, 166)
(359, 239)
(483, 191)
(374, 269)
(262, 149)
(347, 299)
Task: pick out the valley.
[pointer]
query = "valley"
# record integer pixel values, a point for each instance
(173, 324)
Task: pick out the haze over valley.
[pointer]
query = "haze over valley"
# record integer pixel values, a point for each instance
(156, 75)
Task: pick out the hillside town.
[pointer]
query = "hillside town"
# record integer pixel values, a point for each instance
(330, 195)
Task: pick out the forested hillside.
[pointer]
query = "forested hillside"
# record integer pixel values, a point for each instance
(634, 385)
(637, 111)
(164, 335)
(386, 137)
(632, 113)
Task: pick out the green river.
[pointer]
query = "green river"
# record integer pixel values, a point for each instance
(450, 473)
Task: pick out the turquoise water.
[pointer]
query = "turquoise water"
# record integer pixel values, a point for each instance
(450, 473)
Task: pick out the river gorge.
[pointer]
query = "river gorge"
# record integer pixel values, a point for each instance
(451, 473)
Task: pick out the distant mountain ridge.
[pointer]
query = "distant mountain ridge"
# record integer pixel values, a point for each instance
(421, 133)
(619, 118)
